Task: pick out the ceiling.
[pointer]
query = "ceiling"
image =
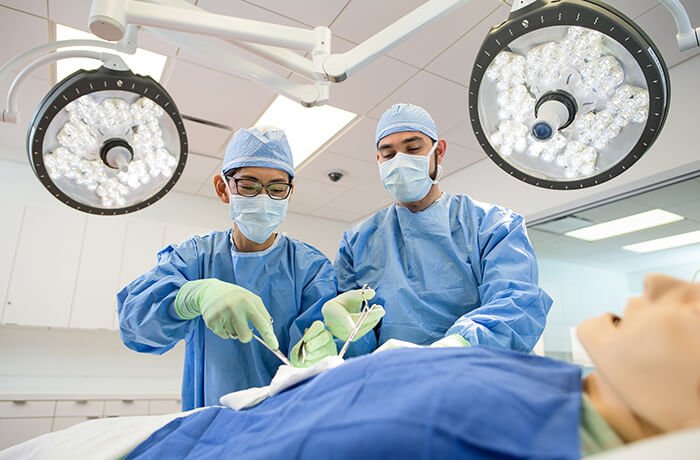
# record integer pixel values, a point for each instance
(682, 198)
(431, 69)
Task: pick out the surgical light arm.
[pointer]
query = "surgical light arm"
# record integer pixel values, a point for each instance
(219, 38)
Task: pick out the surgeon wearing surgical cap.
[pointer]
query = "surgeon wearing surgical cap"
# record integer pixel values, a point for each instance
(442, 265)
(215, 291)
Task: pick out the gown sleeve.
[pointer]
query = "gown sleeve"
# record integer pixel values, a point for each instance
(147, 319)
(513, 307)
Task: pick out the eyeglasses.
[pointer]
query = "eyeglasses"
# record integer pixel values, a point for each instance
(250, 188)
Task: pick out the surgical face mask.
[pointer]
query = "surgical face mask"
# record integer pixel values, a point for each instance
(407, 177)
(257, 217)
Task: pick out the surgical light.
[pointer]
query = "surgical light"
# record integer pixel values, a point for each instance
(581, 93)
(107, 141)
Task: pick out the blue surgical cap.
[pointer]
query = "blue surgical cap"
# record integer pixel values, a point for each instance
(266, 148)
(405, 117)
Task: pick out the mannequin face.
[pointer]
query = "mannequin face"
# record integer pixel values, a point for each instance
(651, 356)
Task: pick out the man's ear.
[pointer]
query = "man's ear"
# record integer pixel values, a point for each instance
(441, 149)
(221, 189)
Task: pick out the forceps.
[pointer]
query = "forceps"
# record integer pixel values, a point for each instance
(364, 310)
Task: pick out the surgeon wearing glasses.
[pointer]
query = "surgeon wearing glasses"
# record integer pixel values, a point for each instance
(215, 291)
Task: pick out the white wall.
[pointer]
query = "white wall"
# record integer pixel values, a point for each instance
(677, 149)
(579, 293)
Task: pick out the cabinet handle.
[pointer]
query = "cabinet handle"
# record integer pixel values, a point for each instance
(19, 402)
(128, 401)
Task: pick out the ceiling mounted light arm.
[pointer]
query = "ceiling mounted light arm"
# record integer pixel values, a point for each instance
(37, 56)
(687, 37)
(11, 113)
(223, 53)
(339, 66)
(109, 19)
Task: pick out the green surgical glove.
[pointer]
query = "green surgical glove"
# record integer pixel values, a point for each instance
(341, 313)
(226, 310)
(316, 344)
(454, 340)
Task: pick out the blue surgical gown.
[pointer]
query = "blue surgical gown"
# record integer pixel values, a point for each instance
(457, 267)
(292, 278)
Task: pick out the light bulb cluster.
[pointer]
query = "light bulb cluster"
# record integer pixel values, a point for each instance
(90, 124)
(577, 63)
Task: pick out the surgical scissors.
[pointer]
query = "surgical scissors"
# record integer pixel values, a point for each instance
(364, 310)
(277, 353)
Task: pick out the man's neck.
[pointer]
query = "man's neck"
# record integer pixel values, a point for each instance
(243, 244)
(429, 199)
(616, 413)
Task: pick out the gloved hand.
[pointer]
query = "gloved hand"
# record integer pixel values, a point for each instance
(316, 344)
(226, 310)
(454, 340)
(341, 313)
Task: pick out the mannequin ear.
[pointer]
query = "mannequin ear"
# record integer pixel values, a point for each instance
(221, 189)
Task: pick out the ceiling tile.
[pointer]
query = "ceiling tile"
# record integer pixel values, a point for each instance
(239, 9)
(672, 195)
(310, 195)
(76, 13)
(355, 204)
(633, 8)
(457, 61)
(358, 141)
(342, 215)
(197, 171)
(427, 44)
(458, 157)
(13, 136)
(463, 134)
(355, 171)
(37, 7)
(206, 139)
(660, 26)
(361, 91)
(215, 96)
(22, 32)
(446, 101)
(310, 12)
(363, 18)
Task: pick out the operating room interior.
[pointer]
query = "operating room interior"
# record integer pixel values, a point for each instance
(62, 361)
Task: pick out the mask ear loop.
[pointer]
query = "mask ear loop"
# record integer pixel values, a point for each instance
(438, 168)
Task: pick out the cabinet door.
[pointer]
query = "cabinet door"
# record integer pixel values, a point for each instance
(96, 288)
(46, 264)
(9, 235)
(143, 241)
(16, 430)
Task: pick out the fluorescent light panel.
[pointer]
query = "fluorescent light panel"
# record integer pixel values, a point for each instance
(629, 224)
(683, 239)
(307, 128)
(142, 62)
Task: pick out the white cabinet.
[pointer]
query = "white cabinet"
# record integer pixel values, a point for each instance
(82, 408)
(16, 430)
(61, 423)
(46, 264)
(126, 407)
(95, 300)
(143, 241)
(9, 235)
(164, 406)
